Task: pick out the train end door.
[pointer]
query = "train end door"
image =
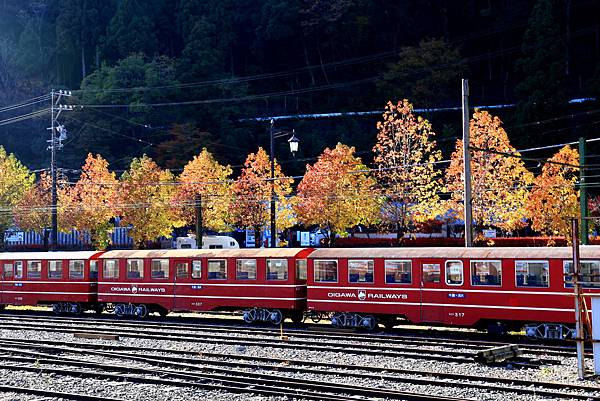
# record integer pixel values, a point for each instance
(432, 294)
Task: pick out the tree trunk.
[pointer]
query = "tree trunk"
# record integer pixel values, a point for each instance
(83, 72)
(257, 237)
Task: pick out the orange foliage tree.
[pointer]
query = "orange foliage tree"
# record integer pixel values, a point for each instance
(204, 178)
(92, 201)
(406, 156)
(553, 198)
(336, 193)
(250, 207)
(34, 210)
(145, 201)
(499, 179)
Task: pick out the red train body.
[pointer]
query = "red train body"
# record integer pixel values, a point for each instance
(497, 288)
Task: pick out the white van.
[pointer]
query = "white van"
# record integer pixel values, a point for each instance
(208, 242)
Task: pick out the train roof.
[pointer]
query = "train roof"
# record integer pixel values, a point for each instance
(208, 253)
(60, 255)
(586, 252)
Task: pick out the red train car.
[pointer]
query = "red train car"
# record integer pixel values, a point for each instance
(268, 284)
(494, 288)
(65, 280)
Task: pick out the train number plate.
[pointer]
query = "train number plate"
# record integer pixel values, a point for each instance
(456, 295)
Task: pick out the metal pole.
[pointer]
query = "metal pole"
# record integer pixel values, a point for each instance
(468, 212)
(199, 225)
(54, 231)
(583, 205)
(578, 304)
(272, 156)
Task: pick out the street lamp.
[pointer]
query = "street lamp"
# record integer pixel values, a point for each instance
(293, 141)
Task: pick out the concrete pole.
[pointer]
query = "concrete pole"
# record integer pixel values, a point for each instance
(467, 165)
(583, 205)
(578, 301)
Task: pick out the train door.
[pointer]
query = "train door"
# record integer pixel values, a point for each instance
(432, 302)
(181, 287)
(8, 284)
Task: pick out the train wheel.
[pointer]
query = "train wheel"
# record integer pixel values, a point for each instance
(369, 322)
(316, 317)
(120, 310)
(297, 317)
(276, 317)
(141, 311)
(76, 309)
(250, 316)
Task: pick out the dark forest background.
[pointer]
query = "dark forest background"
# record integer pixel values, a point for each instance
(167, 78)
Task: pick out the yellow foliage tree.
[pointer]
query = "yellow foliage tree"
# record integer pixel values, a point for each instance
(145, 200)
(499, 179)
(205, 180)
(15, 181)
(554, 199)
(336, 193)
(406, 156)
(91, 201)
(250, 207)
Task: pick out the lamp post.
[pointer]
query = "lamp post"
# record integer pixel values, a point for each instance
(293, 141)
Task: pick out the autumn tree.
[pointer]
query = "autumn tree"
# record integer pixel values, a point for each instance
(406, 156)
(499, 179)
(337, 193)
(554, 198)
(250, 207)
(205, 180)
(33, 211)
(92, 201)
(145, 201)
(15, 181)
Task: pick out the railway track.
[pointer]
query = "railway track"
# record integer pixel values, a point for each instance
(242, 368)
(390, 347)
(303, 333)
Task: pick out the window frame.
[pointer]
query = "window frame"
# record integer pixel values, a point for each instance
(409, 261)
(60, 270)
(337, 270)
(95, 270)
(117, 269)
(31, 262)
(268, 267)
(439, 265)
(547, 262)
(12, 271)
(178, 276)
(462, 272)
(162, 268)
(570, 284)
(242, 260)
(196, 262)
(19, 269)
(208, 269)
(301, 269)
(71, 262)
(140, 270)
(372, 265)
(471, 267)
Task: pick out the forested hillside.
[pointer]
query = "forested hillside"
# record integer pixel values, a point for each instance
(167, 77)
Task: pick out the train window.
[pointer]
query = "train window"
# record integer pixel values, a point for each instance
(590, 273)
(486, 272)
(245, 269)
(34, 269)
(532, 273)
(55, 269)
(326, 271)
(301, 269)
(182, 270)
(159, 268)
(277, 269)
(398, 271)
(93, 269)
(76, 269)
(454, 272)
(196, 269)
(431, 272)
(360, 271)
(8, 271)
(19, 269)
(135, 268)
(111, 268)
(217, 270)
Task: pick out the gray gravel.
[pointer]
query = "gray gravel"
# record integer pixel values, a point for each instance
(563, 373)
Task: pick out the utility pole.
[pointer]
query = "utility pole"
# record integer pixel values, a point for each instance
(467, 165)
(199, 225)
(272, 156)
(578, 301)
(55, 144)
(583, 205)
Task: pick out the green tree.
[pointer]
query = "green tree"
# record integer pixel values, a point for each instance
(541, 93)
(132, 29)
(15, 181)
